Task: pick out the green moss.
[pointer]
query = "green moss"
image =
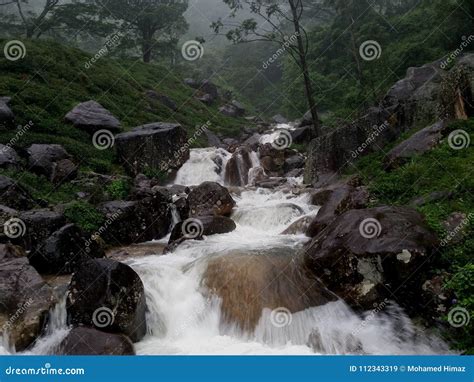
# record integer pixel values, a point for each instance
(84, 215)
(118, 189)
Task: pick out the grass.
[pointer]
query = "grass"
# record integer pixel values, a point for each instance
(441, 169)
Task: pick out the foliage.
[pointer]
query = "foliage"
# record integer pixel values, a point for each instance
(118, 189)
(84, 215)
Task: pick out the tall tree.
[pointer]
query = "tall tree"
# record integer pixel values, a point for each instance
(149, 23)
(275, 15)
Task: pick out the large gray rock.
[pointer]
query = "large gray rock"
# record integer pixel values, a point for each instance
(87, 341)
(7, 118)
(419, 143)
(40, 224)
(52, 161)
(210, 198)
(14, 196)
(91, 116)
(108, 295)
(230, 110)
(25, 298)
(238, 166)
(365, 255)
(9, 159)
(157, 147)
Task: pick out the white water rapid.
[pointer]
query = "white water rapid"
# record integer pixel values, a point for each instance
(185, 318)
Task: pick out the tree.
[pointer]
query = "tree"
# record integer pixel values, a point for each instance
(33, 22)
(150, 23)
(277, 14)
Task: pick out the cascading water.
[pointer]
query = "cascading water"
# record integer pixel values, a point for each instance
(208, 296)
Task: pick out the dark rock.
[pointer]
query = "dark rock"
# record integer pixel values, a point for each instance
(206, 99)
(13, 195)
(213, 139)
(210, 198)
(279, 119)
(302, 134)
(108, 295)
(7, 118)
(433, 197)
(271, 159)
(271, 183)
(293, 162)
(52, 161)
(230, 111)
(419, 143)
(25, 297)
(87, 341)
(307, 119)
(295, 173)
(9, 159)
(40, 224)
(156, 146)
(238, 166)
(154, 97)
(64, 251)
(298, 227)
(365, 255)
(209, 88)
(91, 116)
(253, 141)
(238, 107)
(191, 83)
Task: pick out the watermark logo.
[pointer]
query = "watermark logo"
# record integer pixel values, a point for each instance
(14, 228)
(192, 50)
(282, 140)
(459, 139)
(111, 43)
(452, 234)
(370, 50)
(458, 317)
(466, 41)
(289, 41)
(103, 317)
(281, 317)
(192, 228)
(14, 50)
(376, 131)
(103, 139)
(370, 228)
(378, 307)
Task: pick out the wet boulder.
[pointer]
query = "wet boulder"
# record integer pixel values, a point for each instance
(14, 196)
(91, 116)
(7, 118)
(160, 147)
(109, 296)
(87, 341)
(238, 166)
(25, 298)
(302, 134)
(52, 161)
(40, 224)
(419, 143)
(210, 198)
(366, 255)
(9, 159)
(64, 251)
(271, 158)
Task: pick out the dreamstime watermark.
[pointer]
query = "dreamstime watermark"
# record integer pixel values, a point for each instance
(282, 139)
(22, 130)
(289, 41)
(378, 307)
(192, 50)
(103, 317)
(14, 228)
(192, 228)
(97, 234)
(14, 50)
(459, 139)
(46, 370)
(458, 317)
(281, 317)
(178, 154)
(466, 41)
(103, 139)
(370, 50)
(111, 43)
(19, 312)
(452, 234)
(376, 131)
(370, 228)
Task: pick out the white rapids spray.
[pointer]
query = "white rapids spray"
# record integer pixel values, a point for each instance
(183, 318)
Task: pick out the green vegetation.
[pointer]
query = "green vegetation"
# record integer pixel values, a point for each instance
(441, 169)
(84, 215)
(119, 189)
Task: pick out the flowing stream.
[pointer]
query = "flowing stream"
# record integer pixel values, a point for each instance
(184, 317)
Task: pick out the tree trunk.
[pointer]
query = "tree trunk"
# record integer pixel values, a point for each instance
(305, 70)
(147, 45)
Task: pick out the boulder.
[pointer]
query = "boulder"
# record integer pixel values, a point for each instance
(210, 198)
(25, 298)
(109, 296)
(298, 227)
(293, 162)
(136, 221)
(208, 87)
(9, 159)
(230, 111)
(271, 183)
(307, 119)
(40, 224)
(271, 159)
(213, 139)
(7, 118)
(238, 166)
(52, 161)
(302, 134)
(87, 341)
(369, 254)
(238, 107)
(64, 251)
(206, 99)
(279, 119)
(13, 195)
(154, 97)
(197, 227)
(192, 83)
(253, 141)
(419, 143)
(157, 146)
(91, 116)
